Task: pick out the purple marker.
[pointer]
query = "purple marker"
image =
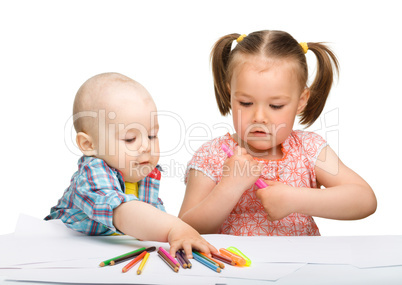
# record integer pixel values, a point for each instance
(260, 184)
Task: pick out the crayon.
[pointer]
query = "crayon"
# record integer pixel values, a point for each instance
(169, 256)
(223, 258)
(107, 262)
(142, 264)
(220, 264)
(124, 258)
(168, 261)
(239, 253)
(206, 263)
(133, 262)
(181, 260)
(238, 259)
(183, 254)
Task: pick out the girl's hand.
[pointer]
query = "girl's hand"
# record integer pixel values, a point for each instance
(182, 236)
(240, 171)
(277, 200)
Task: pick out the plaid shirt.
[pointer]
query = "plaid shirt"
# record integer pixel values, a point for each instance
(95, 190)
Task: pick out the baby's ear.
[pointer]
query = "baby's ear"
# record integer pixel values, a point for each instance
(303, 100)
(85, 144)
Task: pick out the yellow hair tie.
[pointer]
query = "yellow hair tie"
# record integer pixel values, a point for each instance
(304, 47)
(240, 38)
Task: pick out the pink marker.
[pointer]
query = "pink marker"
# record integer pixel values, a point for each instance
(260, 184)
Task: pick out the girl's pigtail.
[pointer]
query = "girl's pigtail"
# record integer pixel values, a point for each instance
(321, 86)
(219, 59)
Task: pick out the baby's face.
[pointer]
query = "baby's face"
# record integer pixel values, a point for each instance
(128, 132)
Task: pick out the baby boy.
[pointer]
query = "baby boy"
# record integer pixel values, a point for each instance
(115, 189)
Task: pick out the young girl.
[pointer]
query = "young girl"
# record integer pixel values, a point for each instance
(263, 83)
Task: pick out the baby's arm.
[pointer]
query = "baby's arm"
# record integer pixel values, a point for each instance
(346, 196)
(207, 204)
(143, 221)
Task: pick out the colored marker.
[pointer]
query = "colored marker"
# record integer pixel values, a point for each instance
(238, 259)
(107, 262)
(206, 263)
(239, 253)
(142, 264)
(260, 184)
(133, 262)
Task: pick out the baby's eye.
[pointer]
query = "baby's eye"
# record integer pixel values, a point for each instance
(246, 104)
(130, 140)
(152, 137)
(276, 106)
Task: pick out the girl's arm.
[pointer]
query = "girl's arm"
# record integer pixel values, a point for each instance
(346, 196)
(206, 204)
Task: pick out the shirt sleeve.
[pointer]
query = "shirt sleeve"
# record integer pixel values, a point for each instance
(208, 159)
(98, 193)
(313, 144)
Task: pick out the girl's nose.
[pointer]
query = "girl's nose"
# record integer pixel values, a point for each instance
(260, 116)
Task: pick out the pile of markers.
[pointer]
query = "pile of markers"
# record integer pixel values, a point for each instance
(231, 256)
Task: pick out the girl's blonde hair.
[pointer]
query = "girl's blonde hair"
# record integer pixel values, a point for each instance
(274, 45)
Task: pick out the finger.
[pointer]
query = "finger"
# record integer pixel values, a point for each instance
(187, 249)
(174, 247)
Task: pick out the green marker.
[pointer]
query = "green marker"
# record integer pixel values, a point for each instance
(234, 250)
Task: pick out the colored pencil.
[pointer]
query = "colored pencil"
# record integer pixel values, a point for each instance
(181, 260)
(107, 262)
(220, 264)
(238, 259)
(183, 254)
(223, 258)
(133, 262)
(169, 256)
(168, 261)
(124, 258)
(206, 263)
(206, 258)
(142, 264)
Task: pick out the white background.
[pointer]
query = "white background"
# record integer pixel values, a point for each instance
(49, 48)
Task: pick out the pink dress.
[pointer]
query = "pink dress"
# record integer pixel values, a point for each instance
(296, 168)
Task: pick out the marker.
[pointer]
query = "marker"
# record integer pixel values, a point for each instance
(236, 258)
(239, 253)
(260, 184)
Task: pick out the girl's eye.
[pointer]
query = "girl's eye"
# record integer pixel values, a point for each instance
(246, 104)
(129, 140)
(277, 107)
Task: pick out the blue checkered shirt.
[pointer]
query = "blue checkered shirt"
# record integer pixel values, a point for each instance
(95, 190)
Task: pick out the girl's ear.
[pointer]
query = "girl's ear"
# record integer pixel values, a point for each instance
(85, 144)
(303, 100)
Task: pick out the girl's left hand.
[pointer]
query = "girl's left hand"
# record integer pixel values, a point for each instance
(277, 200)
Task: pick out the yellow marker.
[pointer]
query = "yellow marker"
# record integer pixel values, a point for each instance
(234, 250)
(142, 264)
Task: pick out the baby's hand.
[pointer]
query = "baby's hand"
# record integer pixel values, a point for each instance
(240, 171)
(183, 236)
(276, 200)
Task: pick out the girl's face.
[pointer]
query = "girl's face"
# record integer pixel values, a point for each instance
(265, 99)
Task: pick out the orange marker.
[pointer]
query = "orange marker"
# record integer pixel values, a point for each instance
(133, 262)
(238, 259)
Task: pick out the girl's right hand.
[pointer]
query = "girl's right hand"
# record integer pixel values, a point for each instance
(240, 171)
